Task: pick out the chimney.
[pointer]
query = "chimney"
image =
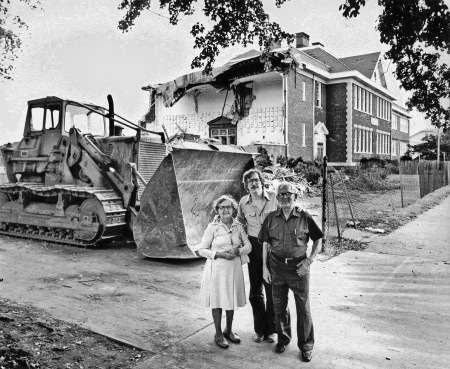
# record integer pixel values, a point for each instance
(301, 40)
(317, 44)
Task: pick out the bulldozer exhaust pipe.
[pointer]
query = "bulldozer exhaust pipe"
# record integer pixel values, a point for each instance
(111, 115)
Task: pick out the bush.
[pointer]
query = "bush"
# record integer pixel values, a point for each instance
(282, 160)
(263, 160)
(311, 170)
(374, 179)
(292, 163)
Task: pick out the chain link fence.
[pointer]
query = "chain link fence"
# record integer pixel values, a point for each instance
(345, 209)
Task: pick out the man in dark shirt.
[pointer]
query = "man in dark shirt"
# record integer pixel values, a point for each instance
(285, 234)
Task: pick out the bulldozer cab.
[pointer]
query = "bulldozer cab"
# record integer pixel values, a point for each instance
(52, 114)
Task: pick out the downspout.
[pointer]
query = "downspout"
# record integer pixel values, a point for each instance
(285, 111)
(313, 115)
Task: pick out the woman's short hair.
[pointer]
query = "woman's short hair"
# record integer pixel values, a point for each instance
(249, 173)
(223, 198)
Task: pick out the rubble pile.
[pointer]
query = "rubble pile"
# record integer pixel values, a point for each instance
(276, 174)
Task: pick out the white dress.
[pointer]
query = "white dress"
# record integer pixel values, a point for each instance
(223, 280)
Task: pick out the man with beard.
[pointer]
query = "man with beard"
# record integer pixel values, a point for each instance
(252, 210)
(285, 234)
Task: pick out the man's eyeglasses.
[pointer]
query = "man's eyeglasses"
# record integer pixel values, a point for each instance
(225, 207)
(284, 195)
(256, 180)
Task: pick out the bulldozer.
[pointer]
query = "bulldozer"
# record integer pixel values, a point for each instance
(76, 178)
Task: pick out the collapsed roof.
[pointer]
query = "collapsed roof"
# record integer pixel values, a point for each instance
(253, 63)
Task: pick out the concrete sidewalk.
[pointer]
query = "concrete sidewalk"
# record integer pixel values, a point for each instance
(387, 307)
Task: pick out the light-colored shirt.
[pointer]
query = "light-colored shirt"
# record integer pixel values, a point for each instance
(253, 217)
(218, 237)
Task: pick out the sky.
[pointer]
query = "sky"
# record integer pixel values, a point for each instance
(74, 49)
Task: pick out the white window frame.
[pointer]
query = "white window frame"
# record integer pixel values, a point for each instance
(303, 134)
(395, 121)
(362, 99)
(383, 109)
(318, 94)
(383, 141)
(303, 91)
(403, 124)
(363, 140)
(393, 147)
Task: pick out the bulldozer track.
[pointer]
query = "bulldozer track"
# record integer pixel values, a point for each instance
(109, 221)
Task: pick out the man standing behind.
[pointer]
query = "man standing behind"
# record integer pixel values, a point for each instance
(285, 234)
(252, 210)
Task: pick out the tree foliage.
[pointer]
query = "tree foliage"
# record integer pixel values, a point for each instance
(234, 22)
(428, 147)
(417, 32)
(10, 41)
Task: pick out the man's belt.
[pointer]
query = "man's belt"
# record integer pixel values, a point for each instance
(288, 260)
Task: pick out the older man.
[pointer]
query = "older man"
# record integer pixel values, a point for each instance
(252, 210)
(285, 234)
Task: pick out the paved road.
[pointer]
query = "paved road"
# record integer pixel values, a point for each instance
(387, 307)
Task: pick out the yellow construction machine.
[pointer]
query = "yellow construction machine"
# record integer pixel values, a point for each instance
(74, 178)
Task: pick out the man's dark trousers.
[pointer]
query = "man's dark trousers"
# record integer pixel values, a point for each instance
(263, 313)
(285, 277)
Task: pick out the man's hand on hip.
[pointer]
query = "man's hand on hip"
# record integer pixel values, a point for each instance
(303, 267)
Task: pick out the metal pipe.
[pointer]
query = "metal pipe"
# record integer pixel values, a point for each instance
(324, 201)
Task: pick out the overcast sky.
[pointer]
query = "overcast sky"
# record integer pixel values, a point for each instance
(73, 49)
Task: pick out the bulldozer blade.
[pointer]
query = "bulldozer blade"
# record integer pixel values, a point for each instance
(176, 205)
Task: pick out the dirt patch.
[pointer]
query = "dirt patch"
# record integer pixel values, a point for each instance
(30, 338)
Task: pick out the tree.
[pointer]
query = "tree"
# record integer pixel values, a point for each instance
(428, 147)
(10, 41)
(417, 32)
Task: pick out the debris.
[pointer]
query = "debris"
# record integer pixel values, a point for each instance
(352, 223)
(375, 230)
(89, 280)
(45, 325)
(6, 318)
(388, 358)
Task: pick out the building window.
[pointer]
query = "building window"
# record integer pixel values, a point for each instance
(362, 141)
(404, 125)
(395, 121)
(226, 135)
(403, 148)
(362, 99)
(318, 94)
(383, 109)
(303, 134)
(383, 141)
(394, 147)
(303, 91)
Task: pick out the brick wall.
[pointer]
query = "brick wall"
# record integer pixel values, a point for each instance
(336, 122)
(300, 112)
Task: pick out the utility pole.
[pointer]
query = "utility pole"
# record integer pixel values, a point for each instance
(438, 145)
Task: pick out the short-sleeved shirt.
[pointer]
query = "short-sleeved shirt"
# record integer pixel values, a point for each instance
(289, 238)
(250, 215)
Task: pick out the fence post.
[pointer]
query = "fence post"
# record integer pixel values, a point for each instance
(401, 182)
(324, 202)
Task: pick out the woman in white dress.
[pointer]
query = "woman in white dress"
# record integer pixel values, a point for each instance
(225, 246)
